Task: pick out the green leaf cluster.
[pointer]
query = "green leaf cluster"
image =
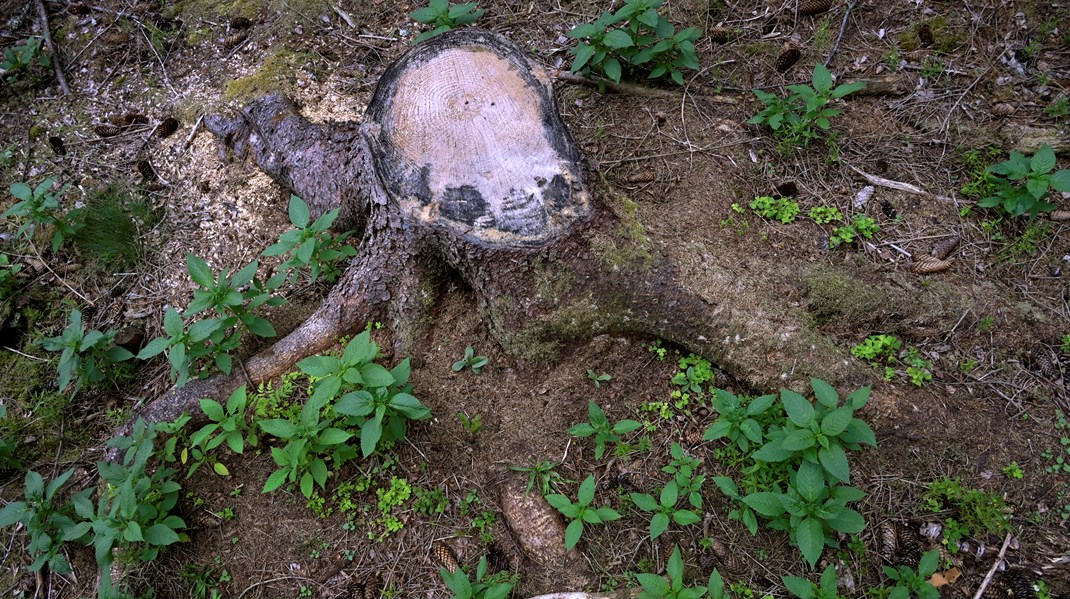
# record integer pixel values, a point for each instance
(47, 522)
(861, 226)
(581, 511)
(795, 479)
(471, 360)
(908, 582)
(635, 37)
(805, 589)
(444, 17)
(349, 392)
(227, 424)
(975, 509)
(483, 587)
(803, 115)
(85, 355)
(1023, 184)
(599, 427)
(19, 59)
(741, 425)
(309, 245)
(542, 473)
(685, 483)
(656, 587)
(780, 209)
(40, 206)
(231, 301)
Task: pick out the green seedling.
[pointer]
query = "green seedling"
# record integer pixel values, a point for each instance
(444, 17)
(599, 427)
(656, 587)
(472, 424)
(804, 114)
(779, 209)
(1023, 184)
(542, 473)
(738, 424)
(471, 360)
(496, 586)
(227, 425)
(805, 589)
(40, 206)
(861, 227)
(309, 245)
(19, 59)
(47, 522)
(664, 509)
(824, 215)
(581, 511)
(914, 583)
(84, 354)
(598, 379)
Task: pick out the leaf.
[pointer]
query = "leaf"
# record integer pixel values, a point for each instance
(727, 486)
(559, 502)
(836, 421)
(1060, 181)
(1043, 161)
(370, 434)
(220, 469)
(834, 460)
(334, 436)
(799, 410)
(658, 524)
(626, 426)
(800, 587)
(261, 327)
(685, 517)
(199, 271)
(212, 409)
(160, 535)
(809, 481)
(846, 521)
(644, 501)
(717, 430)
(583, 31)
(586, 493)
(675, 566)
(572, 534)
(409, 406)
(716, 585)
(798, 440)
(929, 562)
(612, 69)
(765, 503)
(283, 429)
(299, 212)
(375, 375)
(859, 432)
(617, 39)
(810, 537)
(772, 451)
(939, 579)
(822, 78)
(582, 430)
(759, 405)
(826, 395)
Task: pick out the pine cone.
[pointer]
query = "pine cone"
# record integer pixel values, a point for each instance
(442, 555)
(1060, 215)
(925, 35)
(929, 264)
(1019, 583)
(787, 59)
(943, 249)
(721, 35)
(167, 127)
(813, 7)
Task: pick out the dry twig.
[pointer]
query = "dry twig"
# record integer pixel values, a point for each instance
(56, 66)
(995, 566)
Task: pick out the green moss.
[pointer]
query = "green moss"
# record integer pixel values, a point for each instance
(946, 38)
(581, 318)
(279, 71)
(838, 297)
(551, 284)
(631, 247)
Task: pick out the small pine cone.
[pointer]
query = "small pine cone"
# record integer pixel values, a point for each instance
(996, 590)
(1019, 583)
(641, 177)
(943, 249)
(167, 127)
(231, 41)
(1046, 367)
(925, 35)
(813, 7)
(106, 130)
(727, 558)
(928, 264)
(889, 541)
(372, 587)
(909, 545)
(787, 59)
(1060, 215)
(240, 23)
(721, 35)
(135, 118)
(442, 555)
(145, 168)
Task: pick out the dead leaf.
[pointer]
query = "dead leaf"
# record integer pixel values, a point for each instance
(940, 579)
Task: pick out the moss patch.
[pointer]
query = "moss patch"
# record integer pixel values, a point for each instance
(630, 247)
(278, 72)
(836, 297)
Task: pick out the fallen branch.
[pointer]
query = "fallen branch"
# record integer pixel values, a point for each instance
(56, 66)
(633, 89)
(843, 27)
(899, 186)
(892, 85)
(995, 566)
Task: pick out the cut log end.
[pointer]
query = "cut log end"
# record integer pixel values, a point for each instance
(465, 135)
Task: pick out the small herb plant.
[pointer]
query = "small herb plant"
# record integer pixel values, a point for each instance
(1023, 184)
(542, 473)
(914, 583)
(804, 114)
(308, 442)
(860, 227)
(471, 360)
(805, 589)
(228, 425)
(739, 425)
(444, 17)
(598, 379)
(496, 586)
(780, 209)
(47, 523)
(20, 59)
(656, 587)
(85, 354)
(581, 511)
(599, 427)
(824, 215)
(644, 40)
(310, 245)
(39, 206)
(664, 509)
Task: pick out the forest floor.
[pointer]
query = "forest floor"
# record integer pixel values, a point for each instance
(978, 454)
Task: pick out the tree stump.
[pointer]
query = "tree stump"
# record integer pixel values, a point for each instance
(464, 164)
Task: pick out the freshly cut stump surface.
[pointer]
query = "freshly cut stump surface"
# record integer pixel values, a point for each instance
(465, 135)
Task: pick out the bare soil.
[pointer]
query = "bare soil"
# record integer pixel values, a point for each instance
(670, 165)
